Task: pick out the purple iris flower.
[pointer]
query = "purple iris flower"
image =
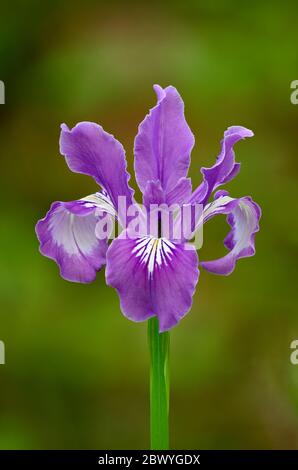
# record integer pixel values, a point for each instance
(154, 276)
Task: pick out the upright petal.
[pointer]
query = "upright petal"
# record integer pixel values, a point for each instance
(225, 168)
(152, 277)
(181, 192)
(154, 193)
(164, 142)
(90, 150)
(243, 216)
(67, 235)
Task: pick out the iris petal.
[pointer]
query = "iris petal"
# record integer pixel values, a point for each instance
(243, 216)
(225, 167)
(152, 276)
(164, 143)
(88, 149)
(67, 235)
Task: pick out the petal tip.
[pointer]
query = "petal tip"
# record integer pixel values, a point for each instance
(160, 92)
(64, 127)
(240, 130)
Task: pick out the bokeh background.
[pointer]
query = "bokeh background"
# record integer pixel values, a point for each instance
(76, 373)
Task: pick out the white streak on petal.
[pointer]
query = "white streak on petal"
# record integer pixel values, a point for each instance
(153, 252)
(158, 253)
(72, 232)
(101, 201)
(216, 205)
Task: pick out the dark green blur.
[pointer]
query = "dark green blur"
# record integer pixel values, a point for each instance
(77, 371)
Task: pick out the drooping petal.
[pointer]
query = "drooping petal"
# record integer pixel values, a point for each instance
(152, 277)
(88, 149)
(67, 235)
(225, 168)
(243, 216)
(164, 142)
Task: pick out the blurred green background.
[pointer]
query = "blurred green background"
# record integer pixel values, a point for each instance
(76, 373)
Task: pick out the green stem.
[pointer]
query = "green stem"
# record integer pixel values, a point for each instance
(159, 386)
